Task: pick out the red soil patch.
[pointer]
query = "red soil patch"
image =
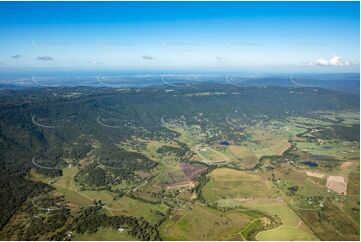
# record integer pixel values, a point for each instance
(337, 184)
(192, 171)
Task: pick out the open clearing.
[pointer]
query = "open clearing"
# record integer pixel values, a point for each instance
(241, 155)
(284, 233)
(314, 174)
(264, 143)
(153, 213)
(65, 185)
(346, 164)
(225, 183)
(105, 234)
(209, 155)
(231, 188)
(292, 227)
(202, 223)
(339, 150)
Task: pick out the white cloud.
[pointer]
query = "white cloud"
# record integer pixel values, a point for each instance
(334, 61)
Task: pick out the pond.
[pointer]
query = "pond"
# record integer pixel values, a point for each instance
(310, 164)
(224, 142)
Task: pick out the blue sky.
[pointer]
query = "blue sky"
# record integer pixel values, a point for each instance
(207, 36)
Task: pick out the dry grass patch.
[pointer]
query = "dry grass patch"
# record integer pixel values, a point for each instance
(346, 164)
(246, 157)
(314, 174)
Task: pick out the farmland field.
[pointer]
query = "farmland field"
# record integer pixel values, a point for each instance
(225, 183)
(202, 223)
(104, 234)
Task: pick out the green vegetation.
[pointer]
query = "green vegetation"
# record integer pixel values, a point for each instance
(153, 213)
(202, 223)
(228, 184)
(218, 163)
(105, 234)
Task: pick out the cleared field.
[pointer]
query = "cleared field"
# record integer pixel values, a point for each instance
(172, 174)
(346, 168)
(189, 135)
(286, 177)
(73, 195)
(346, 164)
(152, 213)
(192, 171)
(282, 128)
(352, 199)
(176, 175)
(308, 122)
(241, 155)
(66, 186)
(342, 150)
(276, 207)
(227, 183)
(264, 143)
(284, 233)
(102, 195)
(153, 145)
(340, 226)
(347, 118)
(209, 155)
(315, 174)
(105, 234)
(74, 198)
(202, 223)
(292, 227)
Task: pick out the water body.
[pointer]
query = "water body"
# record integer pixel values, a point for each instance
(224, 142)
(310, 164)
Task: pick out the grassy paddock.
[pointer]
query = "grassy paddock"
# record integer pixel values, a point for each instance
(105, 234)
(227, 183)
(202, 223)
